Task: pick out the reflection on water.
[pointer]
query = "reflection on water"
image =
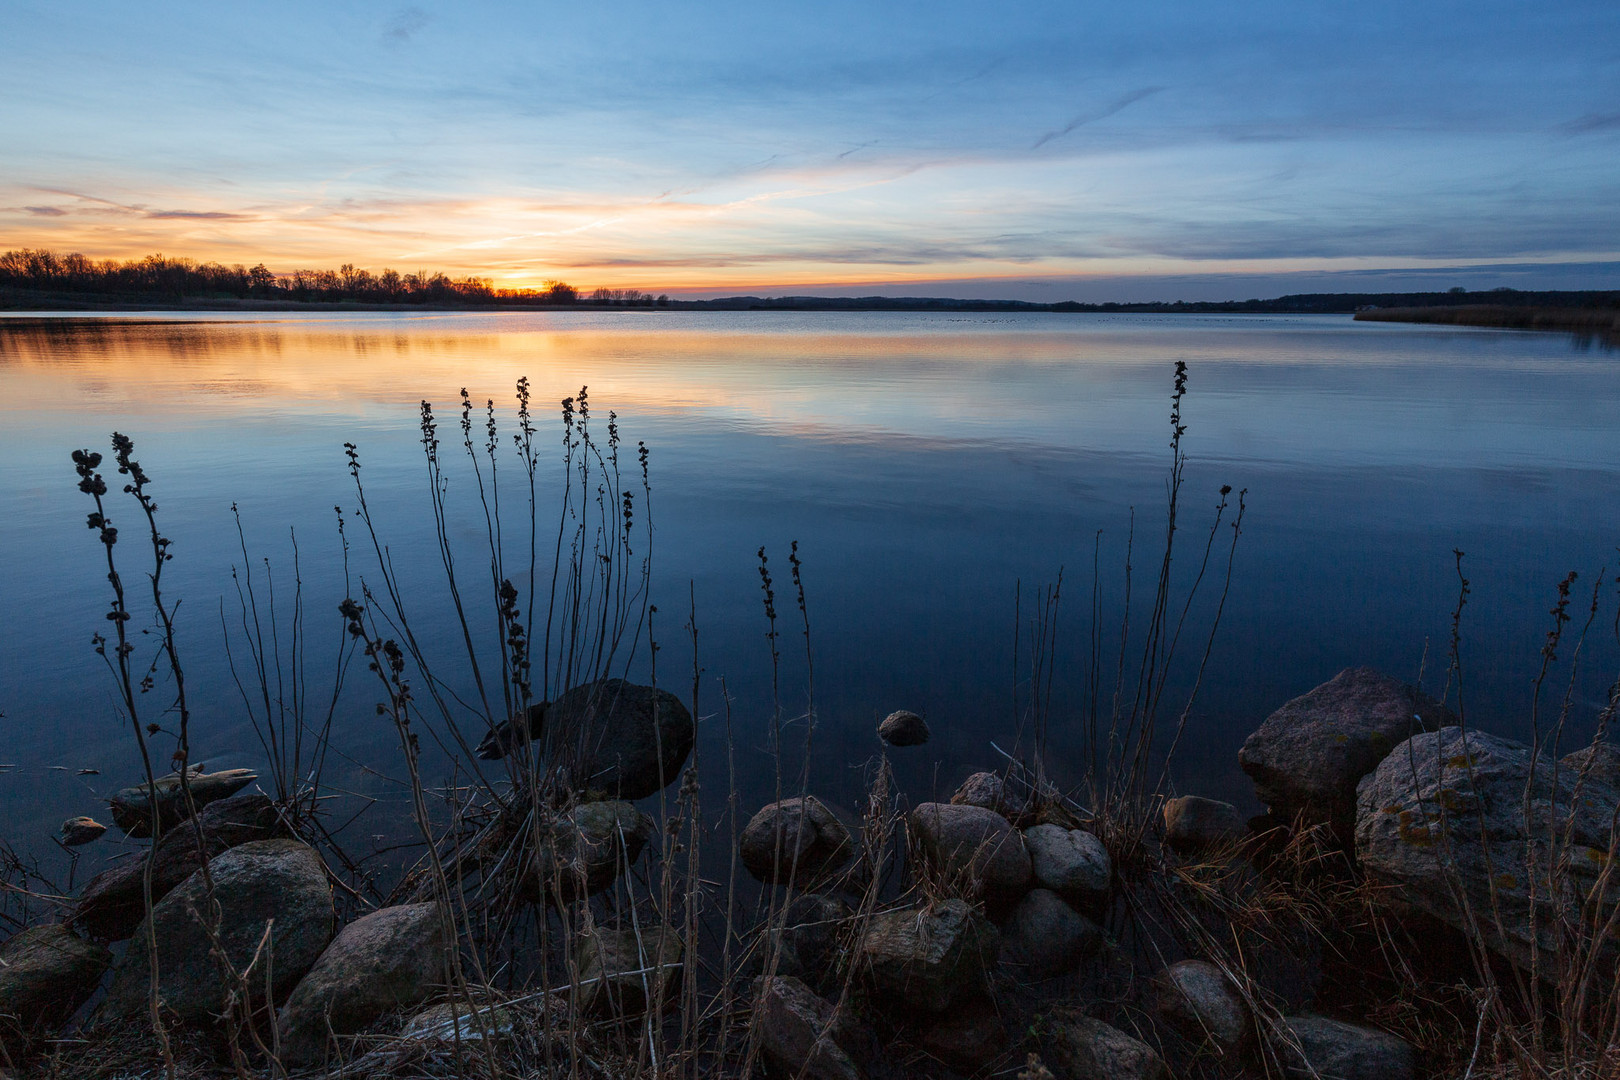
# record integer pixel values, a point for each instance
(929, 465)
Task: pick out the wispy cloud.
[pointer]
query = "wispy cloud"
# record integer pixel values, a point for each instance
(1092, 116)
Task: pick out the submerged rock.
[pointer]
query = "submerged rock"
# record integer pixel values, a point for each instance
(111, 906)
(623, 972)
(46, 973)
(77, 831)
(280, 884)
(1046, 937)
(622, 739)
(390, 959)
(802, 1034)
(589, 846)
(1307, 757)
(1193, 825)
(973, 848)
(930, 958)
(1450, 811)
(1080, 1048)
(796, 840)
(132, 807)
(1197, 999)
(1334, 1050)
(903, 728)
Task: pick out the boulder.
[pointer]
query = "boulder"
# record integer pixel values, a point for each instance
(280, 884)
(968, 1039)
(1197, 999)
(588, 848)
(1193, 825)
(1333, 1050)
(1451, 810)
(1307, 757)
(796, 840)
(390, 959)
(972, 848)
(111, 905)
(903, 728)
(803, 1035)
(1599, 761)
(992, 792)
(615, 737)
(131, 807)
(77, 831)
(929, 958)
(1072, 862)
(1080, 1048)
(46, 973)
(809, 940)
(1045, 937)
(622, 972)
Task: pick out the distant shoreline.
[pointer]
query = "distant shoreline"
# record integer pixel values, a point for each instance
(1604, 322)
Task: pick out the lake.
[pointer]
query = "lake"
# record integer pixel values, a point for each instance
(937, 470)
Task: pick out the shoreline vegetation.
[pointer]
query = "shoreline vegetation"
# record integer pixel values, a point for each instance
(1419, 900)
(32, 280)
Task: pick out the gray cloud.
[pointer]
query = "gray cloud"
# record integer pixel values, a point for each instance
(1097, 114)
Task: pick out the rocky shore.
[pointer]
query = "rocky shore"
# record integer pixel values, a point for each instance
(1010, 931)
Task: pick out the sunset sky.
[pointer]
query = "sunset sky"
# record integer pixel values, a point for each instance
(1044, 151)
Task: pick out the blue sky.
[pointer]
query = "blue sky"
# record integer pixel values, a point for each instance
(1101, 151)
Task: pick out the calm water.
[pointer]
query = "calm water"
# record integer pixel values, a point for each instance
(929, 465)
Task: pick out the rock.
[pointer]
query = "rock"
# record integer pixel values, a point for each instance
(452, 1020)
(809, 939)
(1072, 862)
(929, 958)
(903, 728)
(1046, 937)
(589, 846)
(1197, 999)
(281, 883)
(968, 1039)
(1334, 1050)
(803, 1035)
(621, 972)
(990, 791)
(131, 807)
(1080, 1048)
(1193, 825)
(390, 959)
(1449, 809)
(46, 973)
(1308, 755)
(81, 830)
(973, 848)
(617, 737)
(1599, 761)
(111, 905)
(795, 839)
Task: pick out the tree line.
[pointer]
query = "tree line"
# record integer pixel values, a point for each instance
(162, 279)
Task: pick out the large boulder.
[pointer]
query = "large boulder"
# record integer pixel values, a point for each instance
(276, 884)
(587, 849)
(46, 973)
(903, 728)
(618, 738)
(132, 807)
(624, 972)
(1195, 825)
(972, 848)
(1197, 999)
(390, 959)
(1072, 862)
(1307, 757)
(1080, 1048)
(1334, 1050)
(1045, 937)
(803, 1035)
(111, 906)
(1453, 815)
(796, 840)
(929, 958)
